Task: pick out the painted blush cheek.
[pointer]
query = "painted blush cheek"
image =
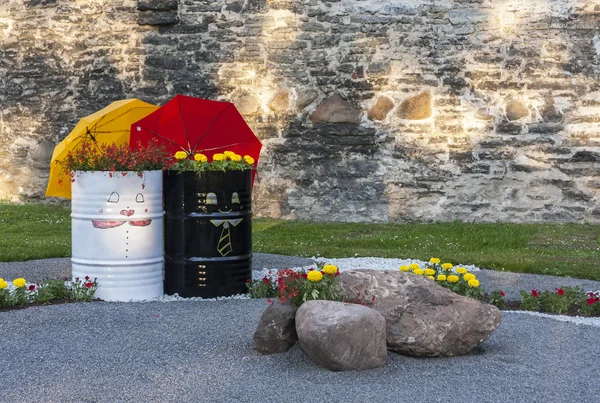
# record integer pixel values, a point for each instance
(146, 210)
(101, 211)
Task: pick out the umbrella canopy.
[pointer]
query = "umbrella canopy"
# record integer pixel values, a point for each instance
(107, 126)
(196, 125)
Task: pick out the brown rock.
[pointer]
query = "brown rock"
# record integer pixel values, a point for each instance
(482, 114)
(280, 101)
(549, 112)
(380, 110)
(335, 110)
(516, 110)
(305, 98)
(423, 318)
(342, 337)
(276, 330)
(416, 108)
(247, 105)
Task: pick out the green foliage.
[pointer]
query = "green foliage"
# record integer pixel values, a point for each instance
(530, 301)
(264, 288)
(496, 298)
(562, 300)
(82, 290)
(227, 161)
(47, 292)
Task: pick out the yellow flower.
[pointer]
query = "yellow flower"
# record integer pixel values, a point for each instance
(249, 160)
(447, 266)
(330, 269)
(469, 276)
(429, 272)
(453, 278)
(180, 155)
(200, 158)
(314, 276)
(473, 283)
(404, 268)
(236, 157)
(431, 277)
(418, 271)
(3, 284)
(461, 270)
(1, 279)
(434, 260)
(229, 154)
(218, 157)
(441, 277)
(414, 266)
(19, 282)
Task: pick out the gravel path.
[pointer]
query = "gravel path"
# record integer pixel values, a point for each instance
(201, 351)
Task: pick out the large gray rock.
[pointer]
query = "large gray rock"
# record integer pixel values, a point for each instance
(423, 318)
(276, 330)
(342, 337)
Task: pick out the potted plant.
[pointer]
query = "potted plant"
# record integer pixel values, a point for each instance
(208, 224)
(117, 218)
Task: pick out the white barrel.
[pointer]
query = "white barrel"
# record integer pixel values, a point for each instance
(117, 233)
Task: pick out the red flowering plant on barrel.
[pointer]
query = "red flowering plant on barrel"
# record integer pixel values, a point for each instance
(299, 286)
(92, 156)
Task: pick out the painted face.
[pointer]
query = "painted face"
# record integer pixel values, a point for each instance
(212, 204)
(114, 203)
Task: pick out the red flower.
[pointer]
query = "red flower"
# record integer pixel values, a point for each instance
(502, 293)
(534, 293)
(89, 285)
(87, 278)
(591, 301)
(304, 275)
(31, 287)
(249, 280)
(269, 301)
(560, 291)
(266, 280)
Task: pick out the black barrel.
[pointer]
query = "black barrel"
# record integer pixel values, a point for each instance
(208, 233)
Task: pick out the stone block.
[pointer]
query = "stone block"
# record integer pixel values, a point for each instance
(158, 18)
(417, 107)
(280, 101)
(162, 5)
(335, 109)
(382, 107)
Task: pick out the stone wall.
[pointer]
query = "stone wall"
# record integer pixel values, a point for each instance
(371, 110)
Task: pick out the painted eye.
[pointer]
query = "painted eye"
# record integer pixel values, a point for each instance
(113, 198)
(211, 198)
(235, 198)
(139, 198)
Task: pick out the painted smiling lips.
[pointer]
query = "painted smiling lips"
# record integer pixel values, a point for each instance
(114, 224)
(101, 224)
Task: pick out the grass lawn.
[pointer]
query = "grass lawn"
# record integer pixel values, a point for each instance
(34, 231)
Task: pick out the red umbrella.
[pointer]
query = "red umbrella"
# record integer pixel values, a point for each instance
(196, 125)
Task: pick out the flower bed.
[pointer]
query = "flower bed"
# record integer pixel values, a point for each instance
(21, 293)
(565, 300)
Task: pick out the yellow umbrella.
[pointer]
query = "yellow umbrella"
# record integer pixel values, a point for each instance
(107, 126)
